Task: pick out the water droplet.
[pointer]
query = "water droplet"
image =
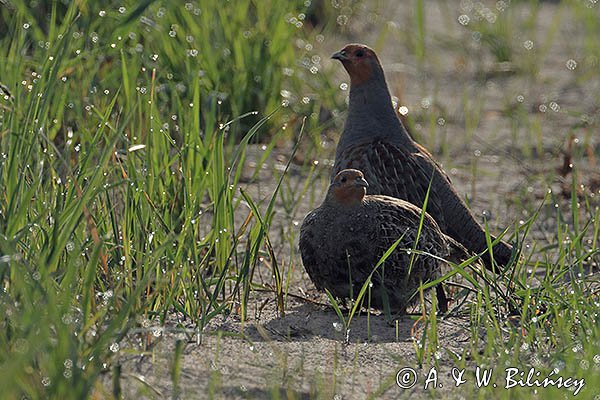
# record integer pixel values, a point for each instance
(114, 347)
(102, 13)
(342, 19)
(571, 64)
(463, 19)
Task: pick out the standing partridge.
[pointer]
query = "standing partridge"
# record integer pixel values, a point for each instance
(342, 241)
(375, 142)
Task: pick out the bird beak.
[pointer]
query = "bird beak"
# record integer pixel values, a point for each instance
(340, 55)
(362, 183)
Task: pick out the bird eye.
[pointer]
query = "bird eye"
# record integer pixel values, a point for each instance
(344, 179)
(359, 53)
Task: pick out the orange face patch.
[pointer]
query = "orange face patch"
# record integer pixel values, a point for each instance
(349, 195)
(358, 60)
(348, 188)
(359, 70)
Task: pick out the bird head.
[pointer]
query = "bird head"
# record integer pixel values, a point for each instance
(360, 61)
(349, 187)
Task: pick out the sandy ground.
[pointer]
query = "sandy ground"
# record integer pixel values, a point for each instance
(304, 352)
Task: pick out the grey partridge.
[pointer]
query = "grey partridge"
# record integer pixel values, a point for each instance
(375, 142)
(343, 239)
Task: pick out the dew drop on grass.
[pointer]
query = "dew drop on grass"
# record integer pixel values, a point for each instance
(463, 19)
(114, 347)
(342, 19)
(571, 64)
(46, 381)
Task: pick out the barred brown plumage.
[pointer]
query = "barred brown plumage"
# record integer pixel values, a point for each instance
(375, 142)
(342, 240)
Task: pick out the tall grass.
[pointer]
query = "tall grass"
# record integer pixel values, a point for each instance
(123, 136)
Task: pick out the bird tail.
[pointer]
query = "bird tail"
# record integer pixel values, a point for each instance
(459, 253)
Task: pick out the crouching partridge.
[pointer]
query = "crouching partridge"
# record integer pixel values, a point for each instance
(342, 241)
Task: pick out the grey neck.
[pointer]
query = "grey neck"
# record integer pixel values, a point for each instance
(371, 116)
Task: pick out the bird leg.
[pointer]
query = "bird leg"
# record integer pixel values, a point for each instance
(441, 298)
